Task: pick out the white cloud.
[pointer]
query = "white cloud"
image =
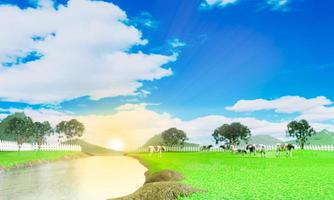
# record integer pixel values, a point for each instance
(318, 109)
(320, 113)
(220, 3)
(278, 4)
(145, 19)
(286, 104)
(177, 43)
(85, 48)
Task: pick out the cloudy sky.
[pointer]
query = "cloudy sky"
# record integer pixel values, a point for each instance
(130, 69)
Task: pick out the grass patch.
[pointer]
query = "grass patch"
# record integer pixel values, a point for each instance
(12, 159)
(307, 175)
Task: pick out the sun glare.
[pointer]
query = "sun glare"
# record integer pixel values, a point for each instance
(116, 144)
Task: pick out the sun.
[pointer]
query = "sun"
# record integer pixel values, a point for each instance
(116, 144)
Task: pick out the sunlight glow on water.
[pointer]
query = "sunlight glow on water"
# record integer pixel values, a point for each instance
(90, 178)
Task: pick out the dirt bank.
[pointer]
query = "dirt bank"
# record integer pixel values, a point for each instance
(162, 185)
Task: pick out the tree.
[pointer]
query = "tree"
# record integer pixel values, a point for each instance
(231, 134)
(71, 129)
(21, 129)
(41, 129)
(174, 136)
(301, 130)
(4, 135)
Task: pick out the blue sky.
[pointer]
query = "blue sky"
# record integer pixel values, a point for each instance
(240, 52)
(217, 52)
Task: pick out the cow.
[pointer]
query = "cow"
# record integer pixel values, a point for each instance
(256, 148)
(158, 149)
(241, 151)
(251, 148)
(236, 150)
(288, 148)
(224, 147)
(261, 148)
(206, 148)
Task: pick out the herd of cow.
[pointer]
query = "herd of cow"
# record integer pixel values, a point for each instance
(251, 149)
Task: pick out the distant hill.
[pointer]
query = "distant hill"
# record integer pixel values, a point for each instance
(323, 137)
(263, 139)
(92, 149)
(157, 140)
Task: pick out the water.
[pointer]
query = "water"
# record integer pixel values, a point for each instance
(91, 178)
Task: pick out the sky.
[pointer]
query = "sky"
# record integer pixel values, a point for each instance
(130, 69)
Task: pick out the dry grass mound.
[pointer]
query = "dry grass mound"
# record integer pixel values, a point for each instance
(164, 175)
(162, 185)
(166, 190)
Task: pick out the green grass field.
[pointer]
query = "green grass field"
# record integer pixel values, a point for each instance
(307, 175)
(11, 159)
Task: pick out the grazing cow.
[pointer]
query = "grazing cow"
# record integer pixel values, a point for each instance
(251, 148)
(163, 148)
(256, 148)
(288, 148)
(236, 150)
(159, 149)
(261, 148)
(241, 151)
(151, 150)
(224, 147)
(206, 148)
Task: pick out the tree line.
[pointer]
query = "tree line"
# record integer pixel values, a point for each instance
(235, 132)
(21, 128)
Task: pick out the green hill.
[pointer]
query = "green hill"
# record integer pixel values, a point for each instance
(157, 140)
(92, 149)
(263, 139)
(323, 137)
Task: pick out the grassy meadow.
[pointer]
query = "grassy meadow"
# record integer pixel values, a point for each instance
(307, 175)
(10, 159)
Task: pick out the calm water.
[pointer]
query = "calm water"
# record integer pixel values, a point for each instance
(91, 178)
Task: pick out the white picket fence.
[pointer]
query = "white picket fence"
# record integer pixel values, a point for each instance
(12, 146)
(217, 149)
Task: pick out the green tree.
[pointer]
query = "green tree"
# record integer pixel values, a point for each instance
(71, 129)
(41, 130)
(301, 130)
(232, 133)
(21, 128)
(4, 135)
(174, 136)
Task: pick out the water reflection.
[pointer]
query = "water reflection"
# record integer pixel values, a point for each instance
(90, 178)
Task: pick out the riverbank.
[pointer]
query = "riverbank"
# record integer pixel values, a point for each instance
(161, 185)
(12, 160)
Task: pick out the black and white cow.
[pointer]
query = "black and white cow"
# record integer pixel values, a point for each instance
(236, 150)
(261, 148)
(206, 148)
(251, 148)
(225, 147)
(288, 148)
(158, 149)
(254, 148)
